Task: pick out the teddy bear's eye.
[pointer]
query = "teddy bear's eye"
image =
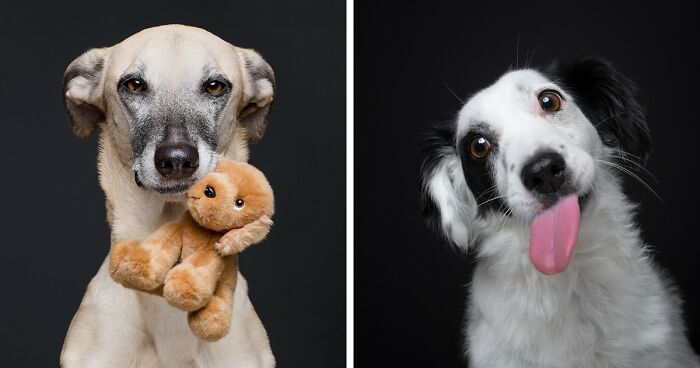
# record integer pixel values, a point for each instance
(239, 203)
(209, 192)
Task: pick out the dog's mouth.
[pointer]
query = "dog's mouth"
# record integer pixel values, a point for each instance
(177, 190)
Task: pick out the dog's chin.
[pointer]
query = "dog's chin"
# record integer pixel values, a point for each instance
(172, 194)
(168, 191)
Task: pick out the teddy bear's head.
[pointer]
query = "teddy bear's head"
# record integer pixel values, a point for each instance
(233, 195)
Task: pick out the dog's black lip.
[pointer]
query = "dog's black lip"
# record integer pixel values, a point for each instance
(165, 190)
(171, 190)
(137, 180)
(583, 200)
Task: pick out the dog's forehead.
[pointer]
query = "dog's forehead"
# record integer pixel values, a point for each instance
(174, 52)
(511, 95)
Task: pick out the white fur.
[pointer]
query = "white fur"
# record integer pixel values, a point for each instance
(611, 307)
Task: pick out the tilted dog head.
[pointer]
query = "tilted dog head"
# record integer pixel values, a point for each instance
(170, 98)
(529, 140)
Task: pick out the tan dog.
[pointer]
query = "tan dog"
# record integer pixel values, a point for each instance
(228, 210)
(169, 100)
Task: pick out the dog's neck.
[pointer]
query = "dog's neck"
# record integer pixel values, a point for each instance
(134, 212)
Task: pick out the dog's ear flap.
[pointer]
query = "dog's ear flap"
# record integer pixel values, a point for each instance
(447, 204)
(82, 91)
(258, 93)
(611, 101)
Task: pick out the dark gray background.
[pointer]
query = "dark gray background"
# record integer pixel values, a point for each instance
(410, 285)
(54, 234)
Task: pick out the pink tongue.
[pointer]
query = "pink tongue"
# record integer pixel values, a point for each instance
(553, 236)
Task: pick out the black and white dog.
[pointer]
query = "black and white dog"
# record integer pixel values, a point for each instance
(527, 175)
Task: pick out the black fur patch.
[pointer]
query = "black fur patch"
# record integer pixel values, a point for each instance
(438, 143)
(479, 174)
(611, 101)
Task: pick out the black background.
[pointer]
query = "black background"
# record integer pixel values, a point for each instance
(54, 234)
(411, 286)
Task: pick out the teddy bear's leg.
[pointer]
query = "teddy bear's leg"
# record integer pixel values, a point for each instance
(190, 285)
(214, 320)
(143, 264)
(236, 240)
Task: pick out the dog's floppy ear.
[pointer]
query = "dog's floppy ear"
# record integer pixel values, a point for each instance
(447, 203)
(258, 93)
(82, 91)
(611, 101)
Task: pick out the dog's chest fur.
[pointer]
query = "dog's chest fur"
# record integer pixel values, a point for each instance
(609, 309)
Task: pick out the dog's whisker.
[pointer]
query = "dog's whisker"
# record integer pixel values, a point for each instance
(490, 189)
(622, 155)
(490, 200)
(634, 176)
(612, 151)
(453, 92)
(532, 56)
(606, 119)
(638, 166)
(517, 50)
(504, 219)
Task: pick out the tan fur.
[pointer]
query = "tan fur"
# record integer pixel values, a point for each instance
(120, 327)
(203, 282)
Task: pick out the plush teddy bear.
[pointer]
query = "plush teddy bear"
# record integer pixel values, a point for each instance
(192, 262)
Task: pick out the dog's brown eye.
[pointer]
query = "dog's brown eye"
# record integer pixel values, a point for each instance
(215, 88)
(135, 85)
(209, 192)
(550, 101)
(239, 203)
(479, 147)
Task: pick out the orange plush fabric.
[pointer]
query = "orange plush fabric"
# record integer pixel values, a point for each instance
(193, 262)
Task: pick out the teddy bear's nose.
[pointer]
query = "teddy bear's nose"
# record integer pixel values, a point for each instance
(176, 160)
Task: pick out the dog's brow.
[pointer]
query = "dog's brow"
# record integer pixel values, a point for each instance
(132, 72)
(213, 73)
(482, 128)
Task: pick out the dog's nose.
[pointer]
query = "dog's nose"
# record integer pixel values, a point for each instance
(545, 173)
(176, 160)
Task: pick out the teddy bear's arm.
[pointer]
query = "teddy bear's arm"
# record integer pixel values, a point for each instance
(165, 245)
(236, 240)
(144, 264)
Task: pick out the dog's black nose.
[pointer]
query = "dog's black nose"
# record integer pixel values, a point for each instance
(545, 173)
(176, 160)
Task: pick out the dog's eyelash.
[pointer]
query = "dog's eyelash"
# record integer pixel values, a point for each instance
(552, 90)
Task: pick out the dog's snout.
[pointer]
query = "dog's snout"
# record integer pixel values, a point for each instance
(176, 160)
(545, 173)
